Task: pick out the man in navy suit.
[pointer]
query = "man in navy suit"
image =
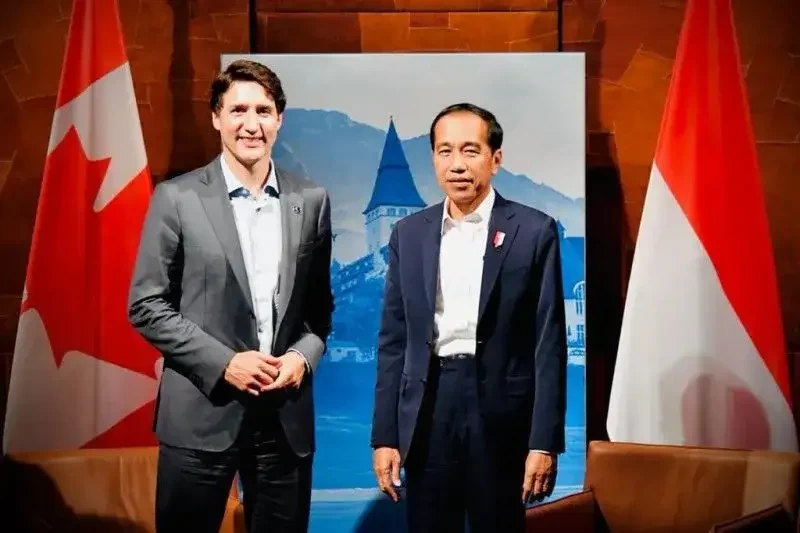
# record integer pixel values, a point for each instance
(470, 392)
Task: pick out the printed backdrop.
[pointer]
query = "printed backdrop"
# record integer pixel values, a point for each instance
(358, 125)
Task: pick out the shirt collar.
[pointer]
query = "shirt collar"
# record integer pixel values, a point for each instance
(233, 184)
(479, 216)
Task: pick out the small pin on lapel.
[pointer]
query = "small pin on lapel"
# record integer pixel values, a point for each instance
(499, 237)
(296, 209)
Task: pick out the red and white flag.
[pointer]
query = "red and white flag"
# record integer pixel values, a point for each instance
(81, 375)
(702, 358)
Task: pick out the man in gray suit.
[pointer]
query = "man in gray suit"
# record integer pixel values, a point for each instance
(232, 285)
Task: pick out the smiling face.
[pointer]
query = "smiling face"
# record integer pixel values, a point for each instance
(463, 160)
(248, 123)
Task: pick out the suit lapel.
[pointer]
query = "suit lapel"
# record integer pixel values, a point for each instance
(500, 223)
(431, 241)
(292, 213)
(220, 213)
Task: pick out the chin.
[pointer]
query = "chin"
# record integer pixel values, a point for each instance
(461, 197)
(250, 157)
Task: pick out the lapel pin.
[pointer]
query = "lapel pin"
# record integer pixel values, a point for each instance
(499, 237)
(296, 209)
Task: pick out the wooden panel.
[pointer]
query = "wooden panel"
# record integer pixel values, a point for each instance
(9, 59)
(383, 6)
(9, 311)
(29, 15)
(408, 32)
(316, 32)
(206, 7)
(779, 164)
(430, 20)
(790, 88)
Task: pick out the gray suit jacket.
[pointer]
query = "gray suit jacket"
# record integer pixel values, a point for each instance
(190, 298)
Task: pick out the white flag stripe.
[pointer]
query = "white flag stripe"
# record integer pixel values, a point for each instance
(682, 344)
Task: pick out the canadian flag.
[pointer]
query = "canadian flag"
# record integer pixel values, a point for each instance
(701, 358)
(81, 376)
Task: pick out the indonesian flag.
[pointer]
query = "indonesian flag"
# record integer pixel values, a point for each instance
(701, 358)
(81, 376)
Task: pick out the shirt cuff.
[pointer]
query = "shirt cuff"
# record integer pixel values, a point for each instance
(543, 451)
(301, 354)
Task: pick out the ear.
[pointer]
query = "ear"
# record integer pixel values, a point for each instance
(497, 160)
(280, 121)
(216, 121)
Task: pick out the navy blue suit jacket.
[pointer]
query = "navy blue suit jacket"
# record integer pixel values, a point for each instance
(521, 337)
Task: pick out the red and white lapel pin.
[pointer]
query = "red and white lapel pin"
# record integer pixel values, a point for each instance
(498, 239)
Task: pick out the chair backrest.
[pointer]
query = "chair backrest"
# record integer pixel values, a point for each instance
(81, 490)
(672, 488)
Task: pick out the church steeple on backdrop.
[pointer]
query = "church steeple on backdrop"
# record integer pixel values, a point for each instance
(394, 195)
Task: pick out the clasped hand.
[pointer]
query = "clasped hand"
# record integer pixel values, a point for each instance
(255, 372)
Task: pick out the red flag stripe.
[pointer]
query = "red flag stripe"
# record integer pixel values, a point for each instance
(708, 159)
(133, 430)
(85, 61)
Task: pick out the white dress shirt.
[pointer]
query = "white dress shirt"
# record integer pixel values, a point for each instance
(258, 223)
(460, 272)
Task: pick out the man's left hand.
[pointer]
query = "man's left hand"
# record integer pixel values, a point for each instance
(540, 476)
(292, 369)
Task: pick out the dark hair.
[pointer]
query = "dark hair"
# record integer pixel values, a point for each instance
(246, 70)
(495, 134)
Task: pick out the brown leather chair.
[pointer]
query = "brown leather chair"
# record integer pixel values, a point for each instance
(633, 488)
(86, 491)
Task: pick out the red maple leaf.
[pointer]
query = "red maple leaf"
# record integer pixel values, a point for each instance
(82, 261)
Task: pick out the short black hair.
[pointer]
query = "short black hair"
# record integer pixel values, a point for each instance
(247, 70)
(495, 133)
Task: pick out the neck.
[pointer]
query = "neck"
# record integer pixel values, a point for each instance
(252, 177)
(459, 210)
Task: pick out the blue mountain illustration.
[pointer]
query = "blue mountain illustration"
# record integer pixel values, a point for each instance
(343, 155)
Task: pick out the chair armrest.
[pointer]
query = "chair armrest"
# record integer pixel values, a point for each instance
(774, 519)
(574, 513)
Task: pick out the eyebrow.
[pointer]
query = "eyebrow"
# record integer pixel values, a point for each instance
(468, 144)
(260, 107)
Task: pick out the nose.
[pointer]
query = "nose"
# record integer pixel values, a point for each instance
(457, 164)
(250, 123)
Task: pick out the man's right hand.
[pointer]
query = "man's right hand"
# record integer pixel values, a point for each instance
(252, 371)
(386, 464)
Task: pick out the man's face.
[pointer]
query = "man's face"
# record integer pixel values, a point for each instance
(463, 162)
(248, 122)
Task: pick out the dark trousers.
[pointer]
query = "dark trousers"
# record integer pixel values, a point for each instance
(193, 485)
(459, 466)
